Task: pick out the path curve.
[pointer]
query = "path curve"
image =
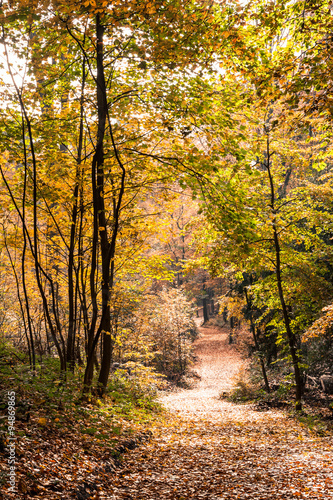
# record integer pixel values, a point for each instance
(218, 364)
(207, 448)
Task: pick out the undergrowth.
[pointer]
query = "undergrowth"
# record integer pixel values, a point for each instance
(317, 413)
(47, 403)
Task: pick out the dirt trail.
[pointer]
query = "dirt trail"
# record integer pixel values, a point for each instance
(217, 364)
(211, 449)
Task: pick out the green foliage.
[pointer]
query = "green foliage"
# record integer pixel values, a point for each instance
(46, 400)
(315, 424)
(139, 382)
(10, 358)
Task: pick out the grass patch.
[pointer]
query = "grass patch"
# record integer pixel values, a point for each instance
(315, 423)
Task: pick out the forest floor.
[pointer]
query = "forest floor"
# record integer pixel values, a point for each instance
(208, 448)
(199, 447)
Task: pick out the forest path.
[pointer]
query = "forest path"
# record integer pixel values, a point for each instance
(210, 449)
(217, 364)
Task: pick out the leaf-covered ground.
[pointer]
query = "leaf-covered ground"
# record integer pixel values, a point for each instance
(213, 449)
(201, 448)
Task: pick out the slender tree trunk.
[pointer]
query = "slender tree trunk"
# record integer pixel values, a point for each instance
(205, 310)
(286, 318)
(107, 247)
(71, 285)
(100, 227)
(105, 324)
(231, 332)
(27, 305)
(108, 250)
(256, 343)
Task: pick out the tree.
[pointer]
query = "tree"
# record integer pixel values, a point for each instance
(171, 329)
(264, 220)
(90, 124)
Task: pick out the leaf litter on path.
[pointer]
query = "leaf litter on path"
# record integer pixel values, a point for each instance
(207, 448)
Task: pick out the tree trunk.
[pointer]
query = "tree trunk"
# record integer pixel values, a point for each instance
(100, 235)
(256, 343)
(231, 332)
(286, 318)
(75, 209)
(205, 310)
(105, 324)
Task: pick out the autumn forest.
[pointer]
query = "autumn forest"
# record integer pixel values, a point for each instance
(166, 215)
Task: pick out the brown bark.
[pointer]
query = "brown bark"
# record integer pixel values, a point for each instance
(256, 343)
(290, 335)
